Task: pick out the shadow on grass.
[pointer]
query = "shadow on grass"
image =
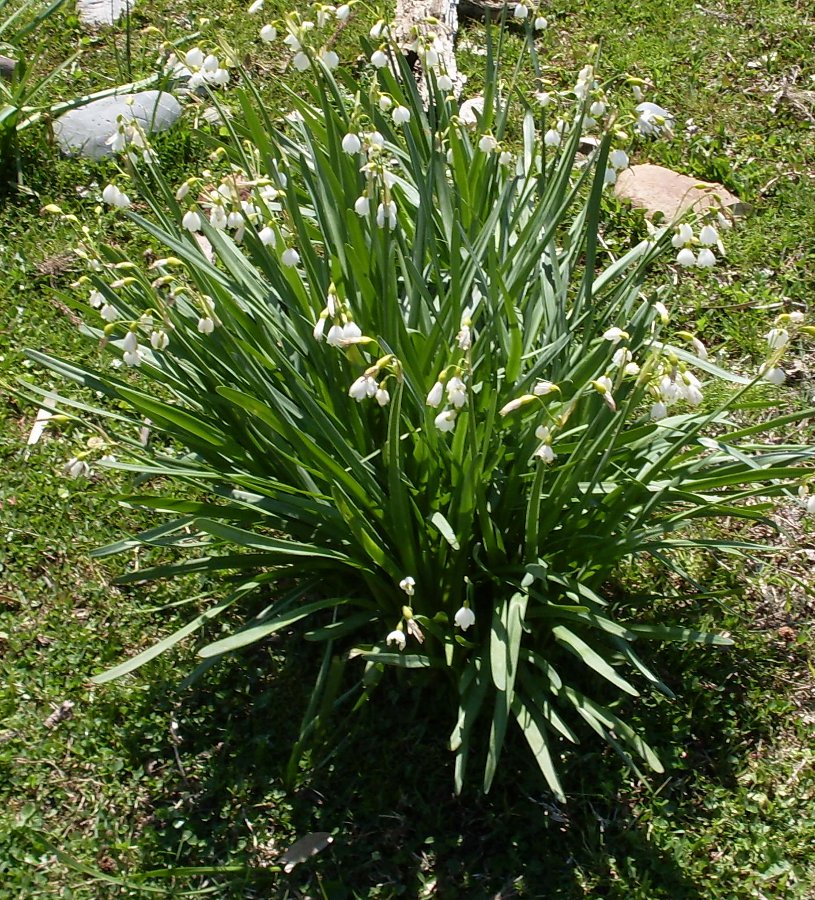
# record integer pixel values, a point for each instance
(386, 795)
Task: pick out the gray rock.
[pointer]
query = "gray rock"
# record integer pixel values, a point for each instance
(7, 67)
(102, 12)
(86, 130)
(659, 190)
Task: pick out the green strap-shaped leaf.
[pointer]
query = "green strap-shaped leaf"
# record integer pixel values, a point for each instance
(603, 720)
(591, 658)
(254, 633)
(393, 658)
(285, 548)
(365, 536)
(445, 529)
(505, 648)
(533, 726)
(677, 633)
(152, 652)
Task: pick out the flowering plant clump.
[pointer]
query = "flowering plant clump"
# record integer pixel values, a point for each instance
(429, 415)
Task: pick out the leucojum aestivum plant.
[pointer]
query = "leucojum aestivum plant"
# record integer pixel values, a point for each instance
(424, 415)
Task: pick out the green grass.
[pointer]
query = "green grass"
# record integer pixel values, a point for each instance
(734, 815)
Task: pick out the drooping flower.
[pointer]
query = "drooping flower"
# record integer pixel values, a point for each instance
(777, 338)
(379, 59)
(398, 638)
(343, 12)
(382, 396)
(343, 335)
(408, 585)
(552, 138)
(77, 468)
(464, 617)
(456, 392)
(414, 630)
(615, 335)
(268, 34)
(698, 348)
(206, 325)
(115, 197)
(706, 259)
(365, 386)
(653, 120)
(708, 236)
(191, 221)
(604, 387)
(194, 57)
(130, 348)
(683, 236)
(351, 143)
(386, 213)
(401, 115)
(300, 61)
(464, 338)
(267, 236)
(218, 217)
(159, 340)
(520, 12)
(545, 453)
(690, 388)
(488, 143)
(436, 394)
(658, 411)
(775, 375)
(290, 257)
(446, 420)
(329, 59)
(430, 57)
(618, 159)
(517, 403)
(445, 83)
(685, 257)
(540, 23)
(542, 388)
(362, 206)
(669, 390)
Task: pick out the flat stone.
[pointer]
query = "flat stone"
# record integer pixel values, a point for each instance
(102, 12)
(657, 189)
(85, 131)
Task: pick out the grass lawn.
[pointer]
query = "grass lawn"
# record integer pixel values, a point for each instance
(145, 776)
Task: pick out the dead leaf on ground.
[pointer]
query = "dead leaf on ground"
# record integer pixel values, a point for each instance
(60, 714)
(305, 848)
